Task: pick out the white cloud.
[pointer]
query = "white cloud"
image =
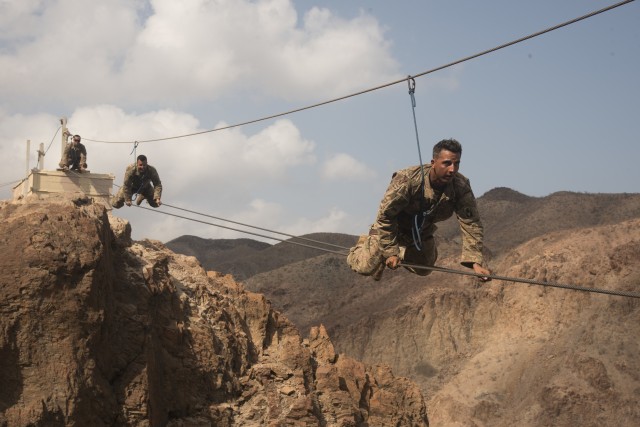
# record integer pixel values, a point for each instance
(256, 213)
(224, 163)
(342, 166)
(16, 129)
(333, 221)
(126, 70)
(279, 144)
(69, 51)
(324, 56)
(79, 53)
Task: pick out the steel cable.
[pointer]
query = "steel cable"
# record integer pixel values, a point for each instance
(382, 86)
(528, 281)
(258, 228)
(433, 268)
(245, 231)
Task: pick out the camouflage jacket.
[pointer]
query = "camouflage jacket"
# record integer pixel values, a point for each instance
(74, 154)
(403, 200)
(135, 182)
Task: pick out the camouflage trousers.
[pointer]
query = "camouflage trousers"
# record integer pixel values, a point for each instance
(72, 163)
(118, 200)
(367, 257)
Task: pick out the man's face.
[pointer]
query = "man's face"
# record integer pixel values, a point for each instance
(142, 166)
(76, 140)
(444, 167)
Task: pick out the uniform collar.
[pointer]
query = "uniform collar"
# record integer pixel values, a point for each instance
(447, 193)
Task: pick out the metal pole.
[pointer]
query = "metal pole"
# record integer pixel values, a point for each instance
(65, 133)
(41, 157)
(25, 187)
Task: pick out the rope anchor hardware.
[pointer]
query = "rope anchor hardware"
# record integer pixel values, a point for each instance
(135, 145)
(411, 82)
(419, 218)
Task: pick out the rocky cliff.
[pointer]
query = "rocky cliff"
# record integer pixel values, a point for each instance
(499, 354)
(509, 354)
(96, 329)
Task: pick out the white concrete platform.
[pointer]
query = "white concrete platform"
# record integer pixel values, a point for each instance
(45, 183)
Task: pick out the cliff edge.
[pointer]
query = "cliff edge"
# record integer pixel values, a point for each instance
(96, 329)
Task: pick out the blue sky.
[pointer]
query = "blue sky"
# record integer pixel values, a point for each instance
(555, 113)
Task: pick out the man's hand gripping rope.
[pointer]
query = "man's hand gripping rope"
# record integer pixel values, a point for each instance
(393, 262)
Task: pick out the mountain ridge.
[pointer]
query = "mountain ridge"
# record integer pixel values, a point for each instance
(99, 330)
(498, 354)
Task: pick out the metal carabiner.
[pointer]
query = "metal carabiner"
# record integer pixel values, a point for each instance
(411, 82)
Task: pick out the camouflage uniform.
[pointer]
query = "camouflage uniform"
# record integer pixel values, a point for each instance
(391, 234)
(140, 183)
(74, 156)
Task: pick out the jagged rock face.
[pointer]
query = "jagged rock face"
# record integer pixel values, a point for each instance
(98, 330)
(509, 354)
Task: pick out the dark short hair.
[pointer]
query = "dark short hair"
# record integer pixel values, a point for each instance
(77, 136)
(142, 157)
(447, 144)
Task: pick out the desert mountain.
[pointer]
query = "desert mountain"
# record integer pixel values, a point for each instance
(511, 218)
(97, 330)
(505, 354)
(244, 258)
(502, 353)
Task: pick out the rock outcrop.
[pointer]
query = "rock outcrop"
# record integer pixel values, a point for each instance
(96, 329)
(510, 354)
(497, 354)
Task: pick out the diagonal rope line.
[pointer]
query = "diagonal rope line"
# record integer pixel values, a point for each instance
(433, 70)
(245, 231)
(528, 281)
(12, 182)
(246, 225)
(415, 266)
(433, 268)
(258, 228)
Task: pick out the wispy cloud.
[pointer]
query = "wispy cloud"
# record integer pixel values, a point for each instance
(343, 166)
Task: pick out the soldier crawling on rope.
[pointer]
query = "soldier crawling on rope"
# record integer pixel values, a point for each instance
(415, 200)
(74, 156)
(141, 179)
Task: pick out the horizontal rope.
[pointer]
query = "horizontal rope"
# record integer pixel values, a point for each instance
(528, 281)
(243, 231)
(382, 86)
(415, 266)
(258, 228)
(12, 182)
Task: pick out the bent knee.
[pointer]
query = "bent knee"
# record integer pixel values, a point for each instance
(362, 263)
(366, 269)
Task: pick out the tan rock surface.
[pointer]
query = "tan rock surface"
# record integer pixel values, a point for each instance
(500, 354)
(98, 330)
(506, 354)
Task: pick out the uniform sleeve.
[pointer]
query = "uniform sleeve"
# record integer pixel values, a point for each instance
(65, 156)
(157, 185)
(470, 226)
(83, 155)
(128, 182)
(395, 199)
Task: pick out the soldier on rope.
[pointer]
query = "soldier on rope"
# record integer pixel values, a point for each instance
(415, 200)
(142, 179)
